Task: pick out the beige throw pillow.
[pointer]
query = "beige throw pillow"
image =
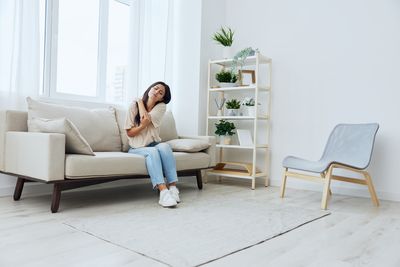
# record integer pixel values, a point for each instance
(74, 141)
(188, 145)
(168, 127)
(98, 126)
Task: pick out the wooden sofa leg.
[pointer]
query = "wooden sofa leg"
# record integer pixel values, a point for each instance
(18, 188)
(199, 179)
(55, 202)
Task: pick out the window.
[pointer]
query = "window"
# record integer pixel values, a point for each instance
(77, 47)
(86, 49)
(117, 56)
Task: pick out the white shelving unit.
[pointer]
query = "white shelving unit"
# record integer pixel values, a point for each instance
(261, 92)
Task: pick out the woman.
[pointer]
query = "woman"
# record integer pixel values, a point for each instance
(142, 126)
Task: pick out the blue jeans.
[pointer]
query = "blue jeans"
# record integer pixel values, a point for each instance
(159, 162)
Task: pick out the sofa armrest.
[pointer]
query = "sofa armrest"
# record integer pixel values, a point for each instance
(36, 155)
(211, 150)
(10, 120)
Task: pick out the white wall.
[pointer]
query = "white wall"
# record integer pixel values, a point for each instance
(333, 61)
(213, 17)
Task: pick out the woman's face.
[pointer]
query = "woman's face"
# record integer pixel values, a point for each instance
(157, 92)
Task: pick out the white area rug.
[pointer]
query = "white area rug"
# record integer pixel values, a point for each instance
(204, 227)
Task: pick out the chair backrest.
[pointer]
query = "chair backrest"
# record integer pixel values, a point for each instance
(351, 144)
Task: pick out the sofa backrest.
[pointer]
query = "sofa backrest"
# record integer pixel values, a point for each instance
(121, 116)
(167, 127)
(98, 126)
(10, 120)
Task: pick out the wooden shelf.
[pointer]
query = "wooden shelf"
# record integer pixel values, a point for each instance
(258, 88)
(241, 147)
(246, 172)
(221, 168)
(260, 117)
(250, 61)
(236, 174)
(240, 88)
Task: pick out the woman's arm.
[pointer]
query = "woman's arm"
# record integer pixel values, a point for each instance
(137, 129)
(142, 110)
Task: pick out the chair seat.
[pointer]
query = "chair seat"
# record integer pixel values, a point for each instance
(306, 165)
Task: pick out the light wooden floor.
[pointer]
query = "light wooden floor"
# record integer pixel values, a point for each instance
(355, 234)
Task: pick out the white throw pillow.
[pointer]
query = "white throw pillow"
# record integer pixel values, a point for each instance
(167, 127)
(98, 126)
(188, 145)
(74, 141)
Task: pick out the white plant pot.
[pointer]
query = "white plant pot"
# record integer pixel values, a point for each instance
(251, 111)
(227, 52)
(227, 84)
(225, 139)
(232, 112)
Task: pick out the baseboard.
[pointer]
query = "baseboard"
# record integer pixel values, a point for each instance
(357, 191)
(29, 189)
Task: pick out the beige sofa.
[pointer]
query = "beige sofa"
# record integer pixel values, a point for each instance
(41, 157)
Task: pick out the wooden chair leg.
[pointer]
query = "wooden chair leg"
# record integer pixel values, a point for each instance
(19, 186)
(323, 176)
(283, 185)
(199, 180)
(55, 202)
(371, 188)
(324, 202)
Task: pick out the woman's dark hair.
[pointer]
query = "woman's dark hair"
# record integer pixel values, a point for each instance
(145, 98)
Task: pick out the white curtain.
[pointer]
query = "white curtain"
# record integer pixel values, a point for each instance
(151, 43)
(19, 52)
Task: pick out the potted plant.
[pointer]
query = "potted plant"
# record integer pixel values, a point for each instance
(250, 103)
(224, 37)
(225, 131)
(226, 78)
(232, 106)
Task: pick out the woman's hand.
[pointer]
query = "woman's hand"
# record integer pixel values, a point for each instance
(145, 121)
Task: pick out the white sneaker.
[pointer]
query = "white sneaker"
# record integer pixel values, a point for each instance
(175, 193)
(166, 199)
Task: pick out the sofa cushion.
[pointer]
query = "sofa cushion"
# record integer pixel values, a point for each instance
(124, 164)
(74, 141)
(191, 161)
(188, 145)
(98, 126)
(168, 127)
(104, 164)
